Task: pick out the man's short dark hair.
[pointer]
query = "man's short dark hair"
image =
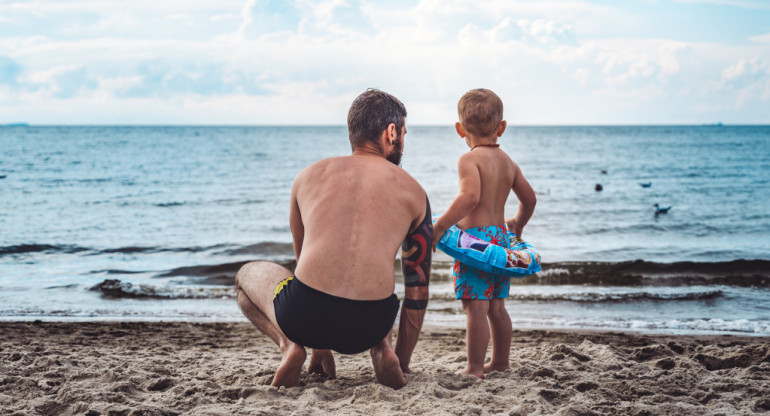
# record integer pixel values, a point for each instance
(370, 114)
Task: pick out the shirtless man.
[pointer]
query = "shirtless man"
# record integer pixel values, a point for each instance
(349, 216)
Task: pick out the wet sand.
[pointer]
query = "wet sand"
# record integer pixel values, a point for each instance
(174, 368)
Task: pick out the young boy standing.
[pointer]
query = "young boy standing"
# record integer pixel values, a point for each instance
(487, 175)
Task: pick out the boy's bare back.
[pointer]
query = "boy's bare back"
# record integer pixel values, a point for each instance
(494, 174)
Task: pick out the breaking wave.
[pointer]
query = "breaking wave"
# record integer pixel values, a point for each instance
(117, 289)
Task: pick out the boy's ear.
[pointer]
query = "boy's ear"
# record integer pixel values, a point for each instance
(460, 129)
(501, 128)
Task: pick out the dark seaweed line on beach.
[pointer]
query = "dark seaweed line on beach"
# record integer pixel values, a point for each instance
(741, 273)
(274, 249)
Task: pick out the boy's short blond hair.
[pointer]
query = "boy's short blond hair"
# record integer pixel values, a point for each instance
(480, 112)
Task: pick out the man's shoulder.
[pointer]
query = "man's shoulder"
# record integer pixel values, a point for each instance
(320, 165)
(363, 169)
(397, 178)
(326, 162)
(408, 180)
(415, 187)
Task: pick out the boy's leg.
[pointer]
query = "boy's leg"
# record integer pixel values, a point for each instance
(502, 331)
(387, 369)
(476, 335)
(255, 285)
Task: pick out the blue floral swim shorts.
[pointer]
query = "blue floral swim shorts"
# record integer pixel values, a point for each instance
(471, 283)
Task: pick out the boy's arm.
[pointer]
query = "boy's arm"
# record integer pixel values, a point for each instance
(527, 201)
(467, 198)
(415, 265)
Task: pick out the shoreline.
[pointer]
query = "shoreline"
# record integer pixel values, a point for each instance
(100, 368)
(427, 326)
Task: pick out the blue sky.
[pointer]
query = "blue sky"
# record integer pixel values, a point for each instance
(303, 61)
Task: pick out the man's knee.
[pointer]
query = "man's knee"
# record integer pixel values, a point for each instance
(255, 274)
(242, 274)
(249, 271)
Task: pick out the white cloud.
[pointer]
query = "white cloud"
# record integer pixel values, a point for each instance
(581, 76)
(745, 68)
(547, 31)
(765, 38)
(748, 80)
(224, 17)
(64, 81)
(551, 61)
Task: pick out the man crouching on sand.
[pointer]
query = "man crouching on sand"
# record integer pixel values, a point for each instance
(349, 216)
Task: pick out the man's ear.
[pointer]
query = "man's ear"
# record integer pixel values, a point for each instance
(460, 129)
(388, 136)
(392, 132)
(501, 128)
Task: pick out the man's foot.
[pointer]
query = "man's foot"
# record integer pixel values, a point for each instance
(290, 368)
(469, 372)
(322, 363)
(497, 367)
(387, 370)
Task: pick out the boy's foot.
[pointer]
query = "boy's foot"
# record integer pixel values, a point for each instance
(387, 370)
(290, 367)
(468, 372)
(497, 367)
(322, 363)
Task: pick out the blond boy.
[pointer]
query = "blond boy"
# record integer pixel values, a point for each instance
(487, 175)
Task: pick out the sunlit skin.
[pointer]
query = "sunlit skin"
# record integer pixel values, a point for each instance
(348, 217)
(487, 176)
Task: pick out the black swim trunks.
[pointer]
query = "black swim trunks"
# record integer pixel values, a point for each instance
(315, 319)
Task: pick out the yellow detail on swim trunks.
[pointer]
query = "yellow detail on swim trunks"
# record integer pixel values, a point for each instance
(280, 286)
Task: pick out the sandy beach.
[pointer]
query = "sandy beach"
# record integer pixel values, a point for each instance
(174, 368)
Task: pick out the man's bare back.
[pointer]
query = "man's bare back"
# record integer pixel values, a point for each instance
(349, 215)
(352, 213)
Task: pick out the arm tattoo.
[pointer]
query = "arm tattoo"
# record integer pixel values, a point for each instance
(415, 258)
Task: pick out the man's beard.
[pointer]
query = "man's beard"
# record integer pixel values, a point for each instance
(394, 157)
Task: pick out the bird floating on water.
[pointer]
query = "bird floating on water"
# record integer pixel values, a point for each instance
(604, 171)
(598, 187)
(646, 185)
(660, 210)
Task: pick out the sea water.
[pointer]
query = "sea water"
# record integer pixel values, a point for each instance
(151, 223)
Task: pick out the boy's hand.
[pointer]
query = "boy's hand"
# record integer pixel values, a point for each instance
(514, 227)
(438, 232)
